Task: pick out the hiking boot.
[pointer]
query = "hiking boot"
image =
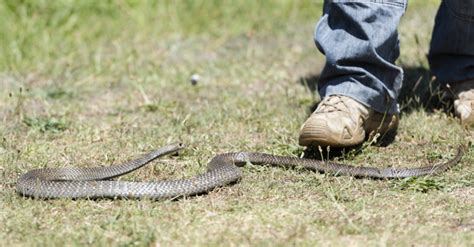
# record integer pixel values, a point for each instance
(464, 102)
(340, 121)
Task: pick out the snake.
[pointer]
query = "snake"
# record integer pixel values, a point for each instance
(223, 169)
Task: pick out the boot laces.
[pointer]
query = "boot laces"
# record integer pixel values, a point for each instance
(333, 103)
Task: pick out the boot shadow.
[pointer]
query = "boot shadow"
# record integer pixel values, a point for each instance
(421, 90)
(329, 153)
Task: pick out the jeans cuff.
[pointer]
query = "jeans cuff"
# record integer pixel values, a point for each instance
(396, 3)
(379, 102)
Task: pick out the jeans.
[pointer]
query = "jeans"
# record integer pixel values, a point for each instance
(360, 41)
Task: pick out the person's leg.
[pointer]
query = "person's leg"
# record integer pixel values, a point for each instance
(360, 42)
(451, 54)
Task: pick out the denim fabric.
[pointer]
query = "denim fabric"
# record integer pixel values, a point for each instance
(451, 54)
(360, 41)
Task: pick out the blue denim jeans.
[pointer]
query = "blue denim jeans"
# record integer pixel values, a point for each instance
(360, 41)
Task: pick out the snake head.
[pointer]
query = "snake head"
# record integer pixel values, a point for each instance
(171, 148)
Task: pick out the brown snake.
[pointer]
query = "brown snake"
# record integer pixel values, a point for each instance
(223, 169)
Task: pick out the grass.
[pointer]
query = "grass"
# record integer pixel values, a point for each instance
(89, 83)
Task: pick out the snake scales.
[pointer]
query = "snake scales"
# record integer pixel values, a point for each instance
(223, 169)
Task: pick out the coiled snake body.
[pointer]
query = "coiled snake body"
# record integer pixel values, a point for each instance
(222, 169)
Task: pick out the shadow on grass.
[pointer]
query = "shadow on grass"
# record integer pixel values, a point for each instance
(318, 153)
(420, 90)
(310, 82)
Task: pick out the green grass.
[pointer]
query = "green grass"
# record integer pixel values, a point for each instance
(90, 83)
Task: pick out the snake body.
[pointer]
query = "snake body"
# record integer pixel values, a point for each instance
(223, 169)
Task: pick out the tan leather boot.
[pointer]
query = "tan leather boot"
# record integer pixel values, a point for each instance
(340, 121)
(464, 102)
